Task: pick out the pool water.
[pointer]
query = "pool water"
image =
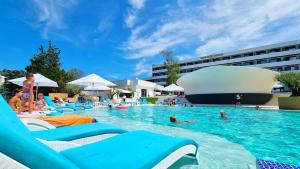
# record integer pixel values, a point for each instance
(267, 134)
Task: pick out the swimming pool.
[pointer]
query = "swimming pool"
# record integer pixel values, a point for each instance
(248, 133)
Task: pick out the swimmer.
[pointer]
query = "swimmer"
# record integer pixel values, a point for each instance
(257, 107)
(110, 106)
(223, 115)
(173, 119)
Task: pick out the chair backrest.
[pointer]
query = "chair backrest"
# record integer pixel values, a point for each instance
(49, 101)
(17, 143)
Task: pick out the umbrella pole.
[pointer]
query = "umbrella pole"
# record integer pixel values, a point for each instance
(36, 92)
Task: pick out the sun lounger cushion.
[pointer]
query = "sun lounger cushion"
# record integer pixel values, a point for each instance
(69, 133)
(134, 150)
(67, 120)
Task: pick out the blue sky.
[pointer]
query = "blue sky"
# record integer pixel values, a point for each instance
(120, 39)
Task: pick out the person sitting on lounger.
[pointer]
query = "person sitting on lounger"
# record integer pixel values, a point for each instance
(173, 119)
(40, 103)
(15, 102)
(58, 101)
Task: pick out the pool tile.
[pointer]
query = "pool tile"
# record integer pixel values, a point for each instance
(264, 164)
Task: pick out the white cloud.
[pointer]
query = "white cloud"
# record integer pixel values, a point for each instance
(137, 4)
(50, 14)
(142, 67)
(217, 26)
(131, 16)
(184, 56)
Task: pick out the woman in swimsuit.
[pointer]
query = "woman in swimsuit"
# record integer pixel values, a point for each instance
(27, 96)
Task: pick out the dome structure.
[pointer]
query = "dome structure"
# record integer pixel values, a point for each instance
(221, 84)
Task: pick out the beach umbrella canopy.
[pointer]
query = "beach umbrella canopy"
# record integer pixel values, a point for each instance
(173, 88)
(97, 88)
(159, 87)
(92, 80)
(124, 91)
(39, 81)
(278, 85)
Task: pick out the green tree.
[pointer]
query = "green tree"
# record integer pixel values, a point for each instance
(172, 67)
(74, 74)
(47, 63)
(291, 80)
(10, 74)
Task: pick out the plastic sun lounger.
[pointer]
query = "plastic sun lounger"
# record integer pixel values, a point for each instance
(138, 149)
(51, 104)
(80, 134)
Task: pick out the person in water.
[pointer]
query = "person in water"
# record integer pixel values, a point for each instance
(173, 119)
(15, 102)
(27, 89)
(223, 115)
(40, 103)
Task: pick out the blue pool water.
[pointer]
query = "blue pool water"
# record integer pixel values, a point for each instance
(268, 134)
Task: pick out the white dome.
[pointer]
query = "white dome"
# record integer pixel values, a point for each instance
(228, 79)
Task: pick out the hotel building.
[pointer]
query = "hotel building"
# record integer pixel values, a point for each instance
(278, 57)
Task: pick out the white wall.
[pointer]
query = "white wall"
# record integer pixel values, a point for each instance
(137, 85)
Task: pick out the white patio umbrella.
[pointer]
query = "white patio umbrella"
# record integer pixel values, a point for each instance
(278, 85)
(97, 88)
(92, 80)
(173, 88)
(39, 81)
(124, 91)
(159, 87)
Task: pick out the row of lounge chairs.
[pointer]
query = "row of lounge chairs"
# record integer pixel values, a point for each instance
(85, 146)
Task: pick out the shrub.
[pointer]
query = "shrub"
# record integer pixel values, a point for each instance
(291, 80)
(152, 99)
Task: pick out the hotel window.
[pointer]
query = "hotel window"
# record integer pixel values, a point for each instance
(287, 58)
(248, 54)
(274, 50)
(289, 48)
(287, 68)
(216, 59)
(261, 52)
(226, 58)
(293, 58)
(273, 60)
(262, 61)
(236, 56)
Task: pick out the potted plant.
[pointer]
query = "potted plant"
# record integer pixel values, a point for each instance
(292, 81)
